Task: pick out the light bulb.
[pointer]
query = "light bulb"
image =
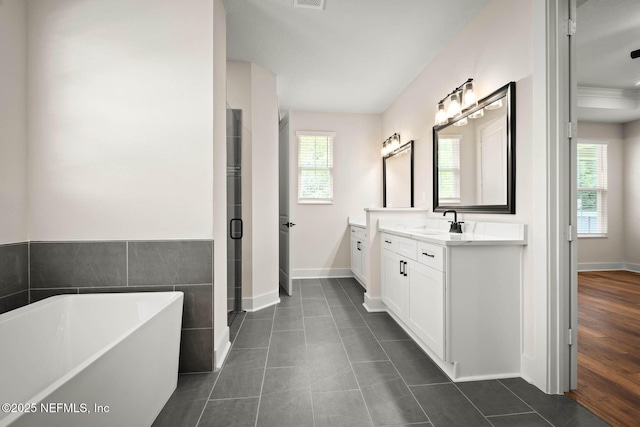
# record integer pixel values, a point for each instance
(454, 105)
(441, 115)
(470, 98)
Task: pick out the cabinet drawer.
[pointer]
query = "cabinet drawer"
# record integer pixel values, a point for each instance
(431, 255)
(400, 245)
(358, 232)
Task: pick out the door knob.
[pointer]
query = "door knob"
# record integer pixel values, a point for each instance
(288, 224)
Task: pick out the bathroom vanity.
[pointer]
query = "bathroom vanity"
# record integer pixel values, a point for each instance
(358, 231)
(457, 295)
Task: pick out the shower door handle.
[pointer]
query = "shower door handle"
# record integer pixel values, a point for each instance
(235, 235)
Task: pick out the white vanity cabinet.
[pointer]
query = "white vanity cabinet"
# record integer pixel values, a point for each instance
(460, 302)
(358, 253)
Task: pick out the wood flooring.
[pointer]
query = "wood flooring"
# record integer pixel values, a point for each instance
(609, 345)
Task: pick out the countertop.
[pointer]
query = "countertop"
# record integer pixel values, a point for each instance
(515, 234)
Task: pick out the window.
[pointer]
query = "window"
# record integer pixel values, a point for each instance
(449, 168)
(592, 189)
(315, 167)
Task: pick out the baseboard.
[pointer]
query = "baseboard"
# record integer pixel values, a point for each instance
(317, 273)
(374, 305)
(221, 350)
(261, 301)
(606, 266)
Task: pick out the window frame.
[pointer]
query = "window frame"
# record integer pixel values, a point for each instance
(300, 168)
(601, 191)
(456, 175)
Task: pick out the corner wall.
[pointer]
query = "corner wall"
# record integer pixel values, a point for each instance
(631, 133)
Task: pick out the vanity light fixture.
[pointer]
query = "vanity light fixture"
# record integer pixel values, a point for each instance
(390, 144)
(494, 105)
(461, 98)
(461, 122)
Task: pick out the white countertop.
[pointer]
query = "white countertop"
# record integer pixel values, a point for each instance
(484, 234)
(358, 221)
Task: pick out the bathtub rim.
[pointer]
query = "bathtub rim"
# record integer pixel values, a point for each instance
(42, 394)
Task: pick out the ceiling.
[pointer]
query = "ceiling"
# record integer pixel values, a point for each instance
(607, 31)
(353, 56)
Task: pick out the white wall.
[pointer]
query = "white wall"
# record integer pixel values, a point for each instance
(13, 121)
(496, 46)
(632, 192)
(252, 89)
(608, 249)
(120, 119)
(320, 241)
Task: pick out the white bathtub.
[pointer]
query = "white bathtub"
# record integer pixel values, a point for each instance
(69, 353)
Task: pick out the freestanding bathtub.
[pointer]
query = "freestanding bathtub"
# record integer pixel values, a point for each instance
(89, 360)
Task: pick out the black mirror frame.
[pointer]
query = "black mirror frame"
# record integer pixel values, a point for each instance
(508, 91)
(384, 171)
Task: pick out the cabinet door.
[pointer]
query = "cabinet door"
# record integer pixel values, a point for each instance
(356, 258)
(426, 305)
(393, 283)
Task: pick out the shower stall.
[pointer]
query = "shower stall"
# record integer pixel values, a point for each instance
(234, 214)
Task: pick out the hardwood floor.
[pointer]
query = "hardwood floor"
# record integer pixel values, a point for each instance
(609, 345)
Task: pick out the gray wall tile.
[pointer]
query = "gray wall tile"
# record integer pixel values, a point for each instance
(183, 262)
(197, 311)
(78, 264)
(14, 301)
(14, 268)
(196, 350)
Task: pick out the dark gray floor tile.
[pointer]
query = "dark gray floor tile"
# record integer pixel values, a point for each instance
(519, 420)
(230, 413)
(196, 350)
(385, 328)
(287, 349)
(78, 264)
(311, 292)
(288, 311)
(414, 365)
(265, 313)
(14, 301)
(241, 375)
(194, 386)
(307, 282)
(254, 333)
(290, 301)
(388, 398)
(340, 408)
(329, 368)
(330, 283)
(277, 380)
(179, 262)
(493, 398)
(445, 405)
(14, 268)
(350, 319)
(315, 308)
(361, 345)
(559, 410)
(235, 325)
(180, 414)
(292, 323)
(197, 311)
(337, 298)
(286, 398)
(321, 330)
(290, 408)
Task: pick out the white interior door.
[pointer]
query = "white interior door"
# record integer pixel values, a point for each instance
(284, 223)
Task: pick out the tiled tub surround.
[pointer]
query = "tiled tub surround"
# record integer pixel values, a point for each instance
(135, 266)
(14, 276)
(343, 366)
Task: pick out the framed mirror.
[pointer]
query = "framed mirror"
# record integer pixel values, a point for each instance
(474, 157)
(397, 178)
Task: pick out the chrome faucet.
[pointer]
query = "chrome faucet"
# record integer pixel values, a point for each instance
(456, 227)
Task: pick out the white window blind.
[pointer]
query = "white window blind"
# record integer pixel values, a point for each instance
(449, 168)
(315, 167)
(592, 189)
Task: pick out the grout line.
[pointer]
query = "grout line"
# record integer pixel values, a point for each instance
(15, 293)
(508, 415)
(266, 362)
(523, 401)
(306, 352)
